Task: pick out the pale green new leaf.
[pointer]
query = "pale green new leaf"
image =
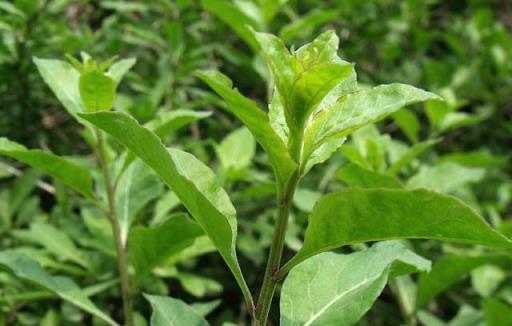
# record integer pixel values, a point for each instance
(29, 270)
(97, 91)
(117, 71)
(358, 109)
(150, 246)
(362, 215)
(62, 79)
(192, 181)
(255, 120)
(333, 289)
(137, 186)
(71, 174)
(168, 311)
(236, 151)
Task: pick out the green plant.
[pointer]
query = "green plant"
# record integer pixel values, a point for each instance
(316, 103)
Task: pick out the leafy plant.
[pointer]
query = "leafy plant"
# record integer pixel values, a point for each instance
(315, 104)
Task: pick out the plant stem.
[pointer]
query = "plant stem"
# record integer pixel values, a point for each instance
(122, 259)
(284, 200)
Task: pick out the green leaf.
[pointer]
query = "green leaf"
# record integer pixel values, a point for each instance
(62, 79)
(362, 215)
(150, 246)
(270, 8)
(173, 312)
(29, 270)
(255, 120)
(358, 109)
(435, 177)
(97, 91)
(409, 124)
(54, 240)
(71, 174)
(117, 71)
(447, 271)
(236, 151)
(354, 175)
(234, 17)
(169, 122)
(192, 181)
(333, 289)
(497, 313)
(137, 186)
(411, 153)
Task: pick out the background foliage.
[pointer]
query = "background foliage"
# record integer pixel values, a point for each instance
(461, 50)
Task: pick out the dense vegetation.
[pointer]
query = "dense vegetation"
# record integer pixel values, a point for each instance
(289, 166)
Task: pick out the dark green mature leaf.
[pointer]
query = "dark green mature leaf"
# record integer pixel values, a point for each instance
(234, 17)
(192, 181)
(358, 109)
(173, 312)
(62, 79)
(497, 313)
(29, 270)
(354, 175)
(97, 91)
(449, 270)
(255, 120)
(332, 289)
(150, 246)
(362, 215)
(71, 174)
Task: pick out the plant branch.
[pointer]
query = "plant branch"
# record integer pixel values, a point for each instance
(122, 258)
(284, 200)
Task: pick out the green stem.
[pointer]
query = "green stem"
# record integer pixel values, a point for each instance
(122, 258)
(284, 200)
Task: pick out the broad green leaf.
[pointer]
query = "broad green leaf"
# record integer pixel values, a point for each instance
(307, 22)
(137, 186)
(192, 181)
(354, 175)
(168, 311)
(150, 246)
(333, 289)
(234, 17)
(255, 120)
(358, 109)
(62, 79)
(497, 313)
(71, 174)
(362, 215)
(447, 271)
(29, 270)
(236, 151)
(117, 71)
(97, 91)
(435, 177)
